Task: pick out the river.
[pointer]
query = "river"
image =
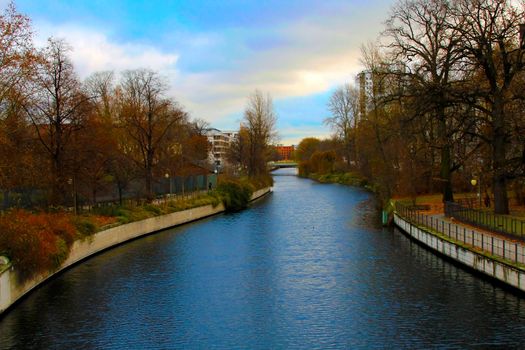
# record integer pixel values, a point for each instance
(306, 267)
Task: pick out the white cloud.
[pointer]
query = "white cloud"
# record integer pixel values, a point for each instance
(321, 53)
(316, 54)
(294, 135)
(92, 51)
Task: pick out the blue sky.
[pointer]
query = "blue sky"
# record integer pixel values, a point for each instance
(215, 53)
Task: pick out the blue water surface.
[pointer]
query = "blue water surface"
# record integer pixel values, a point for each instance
(307, 267)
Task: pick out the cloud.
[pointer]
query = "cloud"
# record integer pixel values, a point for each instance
(294, 135)
(212, 74)
(307, 57)
(92, 51)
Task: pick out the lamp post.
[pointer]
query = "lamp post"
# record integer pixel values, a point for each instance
(71, 181)
(475, 182)
(167, 176)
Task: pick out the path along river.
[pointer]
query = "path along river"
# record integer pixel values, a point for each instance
(303, 268)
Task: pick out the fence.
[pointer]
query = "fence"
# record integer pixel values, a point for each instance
(175, 188)
(496, 246)
(505, 225)
(133, 194)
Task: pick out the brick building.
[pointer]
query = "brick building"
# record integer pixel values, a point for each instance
(285, 152)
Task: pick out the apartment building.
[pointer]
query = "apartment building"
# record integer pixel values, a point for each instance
(220, 142)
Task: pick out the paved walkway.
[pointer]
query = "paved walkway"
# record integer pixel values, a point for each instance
(512, 250)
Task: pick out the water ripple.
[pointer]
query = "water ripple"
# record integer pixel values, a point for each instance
(305, 268)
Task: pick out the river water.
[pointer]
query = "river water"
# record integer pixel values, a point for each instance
(307, 267)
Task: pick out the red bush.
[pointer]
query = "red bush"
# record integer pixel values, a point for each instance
(35, 242)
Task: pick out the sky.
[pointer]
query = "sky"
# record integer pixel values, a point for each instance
(215, 53)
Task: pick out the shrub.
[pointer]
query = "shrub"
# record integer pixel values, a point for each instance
(153, 209)
(85, 226)
(235, 195)
(107, 210)
(259, 182)
(35, 242)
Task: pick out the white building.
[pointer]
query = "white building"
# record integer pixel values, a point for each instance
(364, 82)
(220, 142)
(373, 85)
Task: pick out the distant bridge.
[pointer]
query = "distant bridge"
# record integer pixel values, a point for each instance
(279, 165)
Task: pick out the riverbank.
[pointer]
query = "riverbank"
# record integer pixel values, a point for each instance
(493, 256)
(12, 289)
(349, 179)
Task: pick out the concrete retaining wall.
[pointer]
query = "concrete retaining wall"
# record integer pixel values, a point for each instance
(498, 270)
(11, 290)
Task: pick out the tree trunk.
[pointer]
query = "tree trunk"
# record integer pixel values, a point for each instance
(149, 182)
(58, 182)
(119, 186)
(499, 155)
(446, 176)
(149, 175)
(94, 193)
(445, 166)
(501, 201)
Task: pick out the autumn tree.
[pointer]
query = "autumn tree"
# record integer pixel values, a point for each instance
(18, 159)
(97, 146)
(197, 147)
(17, 54)
(322, 162)
(237, 153)
(109, 163)
(306, 148)
(148, 117)
(57, 108)
(17, 63)
(344, 106)
(304, 151)
(377, 154)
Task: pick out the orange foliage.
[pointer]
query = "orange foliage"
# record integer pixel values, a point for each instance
(35, 242)
(101, 221)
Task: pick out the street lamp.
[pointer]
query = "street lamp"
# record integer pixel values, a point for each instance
(167, 176)
(71, 182)
(475, 182)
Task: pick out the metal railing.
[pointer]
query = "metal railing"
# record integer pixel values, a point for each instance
(496, 246)
(503, 224)
(175, 187)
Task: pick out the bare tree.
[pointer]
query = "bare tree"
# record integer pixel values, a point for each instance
(148, 118)
(344, 106)
(259, 121)
(199, 127)
(378, 118)
(426, 53)
(100, 86)
(494, 59)
(57, 109)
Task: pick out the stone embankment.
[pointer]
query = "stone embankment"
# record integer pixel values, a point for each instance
(508, 271)
(11, 290)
